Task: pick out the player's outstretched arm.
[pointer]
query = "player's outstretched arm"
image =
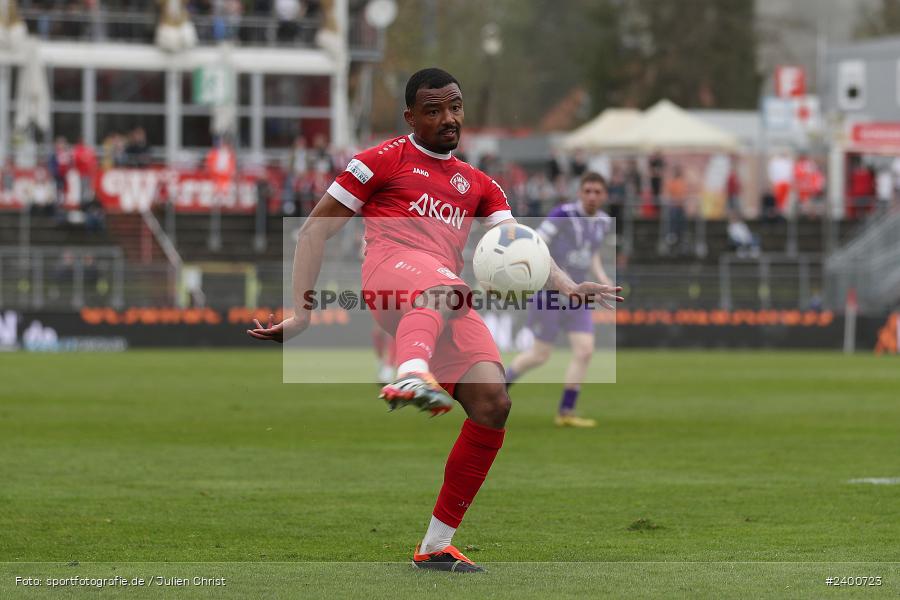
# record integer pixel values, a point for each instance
(325, 220)
(604, 294)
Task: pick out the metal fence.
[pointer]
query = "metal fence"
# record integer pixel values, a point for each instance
(869, 265)
(770, 281)
(60, 277)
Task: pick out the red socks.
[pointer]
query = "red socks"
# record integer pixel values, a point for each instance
(417, 335)
(379, 342)
(475, 448)
(467, 466)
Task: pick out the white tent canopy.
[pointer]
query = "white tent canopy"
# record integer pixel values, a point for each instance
(610, 122)
(663, 126)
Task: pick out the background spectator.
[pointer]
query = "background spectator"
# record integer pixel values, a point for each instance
(137, 151)
(297, 169)
(809, 182)
(320, 159)
(540, 194)
(768, 207)
(657, 170)
(676, 198)
(59, 164)
(618, 192)
(781, 176)
(221, 164)
(733, 186)
(85, 161)
(113, 151)
(740, 238)
(862, 189)
(558, 167)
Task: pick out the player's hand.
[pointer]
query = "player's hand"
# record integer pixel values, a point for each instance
(280, 332)
(603, 293)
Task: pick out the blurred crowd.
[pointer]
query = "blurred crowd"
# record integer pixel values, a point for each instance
(247, 20)
(309, 169)
(69, 166)
(254, 21)
(667, 188)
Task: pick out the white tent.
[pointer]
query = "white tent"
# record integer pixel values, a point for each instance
(665, 126)
(611, 122)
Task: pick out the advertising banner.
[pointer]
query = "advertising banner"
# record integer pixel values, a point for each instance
(106, 329)
(135, 190)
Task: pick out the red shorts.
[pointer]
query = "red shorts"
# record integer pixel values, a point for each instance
(465, 339)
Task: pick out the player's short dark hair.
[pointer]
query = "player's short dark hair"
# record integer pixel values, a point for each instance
(430, 79)
(592, 177)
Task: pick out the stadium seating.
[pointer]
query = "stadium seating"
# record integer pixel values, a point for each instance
(47, 231)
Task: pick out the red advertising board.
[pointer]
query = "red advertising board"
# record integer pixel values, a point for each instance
(133, 190)
(875, 135)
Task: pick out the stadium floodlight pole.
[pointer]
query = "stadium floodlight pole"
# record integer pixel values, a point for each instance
(379, 14)
(492, 45)
(340, 106)
(5, 86)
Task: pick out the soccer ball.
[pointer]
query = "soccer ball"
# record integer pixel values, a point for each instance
(512, 258)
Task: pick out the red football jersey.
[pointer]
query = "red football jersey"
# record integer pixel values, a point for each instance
(412, 198)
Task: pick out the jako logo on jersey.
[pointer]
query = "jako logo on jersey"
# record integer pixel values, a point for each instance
(460, 183)
(358, 169)
(422, 172)
(447, 273)
(449, 214)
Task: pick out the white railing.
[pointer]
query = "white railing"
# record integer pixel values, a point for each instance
(868, 264)
(176, 264)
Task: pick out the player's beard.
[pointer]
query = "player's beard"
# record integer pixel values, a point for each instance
(448, 146)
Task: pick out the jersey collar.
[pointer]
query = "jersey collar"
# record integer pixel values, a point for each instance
(580, 212)
(426, 151)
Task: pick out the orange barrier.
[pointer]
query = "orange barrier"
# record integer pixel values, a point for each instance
(887, 336)
(717, 318)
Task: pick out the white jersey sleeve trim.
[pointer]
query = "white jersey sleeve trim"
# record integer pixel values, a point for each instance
(548, 227)
(339, 193)
(496, 217)
(547, 231)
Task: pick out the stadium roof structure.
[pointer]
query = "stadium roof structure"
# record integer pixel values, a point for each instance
(610, 122)
(666, 126)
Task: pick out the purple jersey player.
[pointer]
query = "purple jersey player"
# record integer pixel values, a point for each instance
(575, 233)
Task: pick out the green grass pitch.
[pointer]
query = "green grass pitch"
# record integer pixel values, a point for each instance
(712, 474)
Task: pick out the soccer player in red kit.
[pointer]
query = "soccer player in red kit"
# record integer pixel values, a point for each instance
(418, 202)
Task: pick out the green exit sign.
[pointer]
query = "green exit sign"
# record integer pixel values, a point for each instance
(213, 86)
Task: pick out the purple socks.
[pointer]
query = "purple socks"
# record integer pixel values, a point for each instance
(567, 403)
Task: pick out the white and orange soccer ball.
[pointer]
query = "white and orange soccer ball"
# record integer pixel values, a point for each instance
(512, 258)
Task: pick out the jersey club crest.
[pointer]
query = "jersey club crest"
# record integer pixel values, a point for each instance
(460, 183)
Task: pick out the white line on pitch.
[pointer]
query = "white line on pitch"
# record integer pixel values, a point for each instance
(877, 480)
